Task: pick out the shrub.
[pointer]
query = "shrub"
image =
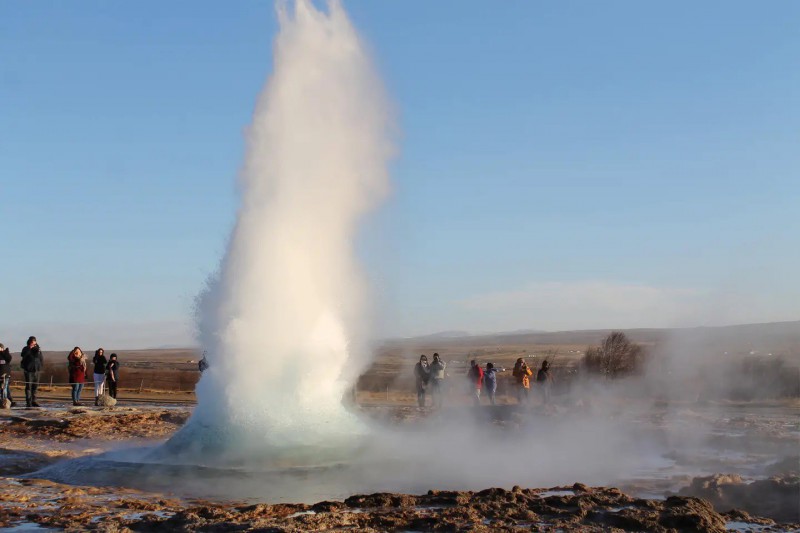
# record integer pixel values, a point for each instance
(615, 357)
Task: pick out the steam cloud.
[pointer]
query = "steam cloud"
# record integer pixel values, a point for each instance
(283, 320)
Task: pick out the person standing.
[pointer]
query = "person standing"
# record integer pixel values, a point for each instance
(437, 380)
(76, 361)
(112, 375)
(522, 375)
(422, 373)
(99, 376)
(5, 375)
(32, 364)
(545, 378)
(475, 375)
(490, 382)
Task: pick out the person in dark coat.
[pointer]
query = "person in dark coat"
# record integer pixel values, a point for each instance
(112, 375)
(99, 374)
(545, 378)
(422, 373)
(32, 364)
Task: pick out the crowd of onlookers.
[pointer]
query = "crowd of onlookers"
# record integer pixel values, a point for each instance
(104, 373)
(481, 381)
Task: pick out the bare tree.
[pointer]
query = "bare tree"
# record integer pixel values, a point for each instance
(616, 356)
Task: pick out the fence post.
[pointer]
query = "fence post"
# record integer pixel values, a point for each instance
(387, 393)
(141, 385)
(51, 381)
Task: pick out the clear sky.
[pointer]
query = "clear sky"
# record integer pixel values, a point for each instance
(561, 165)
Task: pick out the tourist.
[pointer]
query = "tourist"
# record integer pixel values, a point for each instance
(475, 376)
(202, 365)
(5, 375)
(545, 378)
(522, 375)
(422, 373)
(436, 380)
(490, 382)
(112, 375)
(32, 364)
(76, 362)
(99, 374)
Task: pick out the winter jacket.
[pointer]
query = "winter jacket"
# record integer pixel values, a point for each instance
(437, 369)
(100, 363)
(475, 375)
(112, 370)
(422, 373)
(543, 376)
(5, 363)
(490, 379)
(77, 368)
(32, 359)
(523, 376)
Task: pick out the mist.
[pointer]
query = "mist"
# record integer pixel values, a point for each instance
(283, 321)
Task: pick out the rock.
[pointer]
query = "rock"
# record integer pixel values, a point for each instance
(5, 404)
(107, 401)
(774, 498)
(691, 514)
(580, 487)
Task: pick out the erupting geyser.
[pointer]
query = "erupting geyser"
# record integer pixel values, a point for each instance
(282, 321)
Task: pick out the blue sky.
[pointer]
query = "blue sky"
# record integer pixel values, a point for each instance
(561, 165)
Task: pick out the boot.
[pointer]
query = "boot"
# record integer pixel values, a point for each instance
(96, 401)
(34, 404)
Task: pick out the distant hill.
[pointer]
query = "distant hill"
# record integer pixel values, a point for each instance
(774, 337)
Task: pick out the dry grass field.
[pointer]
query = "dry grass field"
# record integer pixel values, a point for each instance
(171, 374)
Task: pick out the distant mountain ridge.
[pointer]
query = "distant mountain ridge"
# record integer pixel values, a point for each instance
(769, 335)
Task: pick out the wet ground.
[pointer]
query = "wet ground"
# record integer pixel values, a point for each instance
(742, 460)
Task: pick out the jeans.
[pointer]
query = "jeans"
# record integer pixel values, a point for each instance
(4, 381)
(491, 394)
(420, 396)
(99, 381)
(436, 391)
(76, 392)
(31, 386)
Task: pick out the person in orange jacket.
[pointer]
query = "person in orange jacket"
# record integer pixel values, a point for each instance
(522, 375)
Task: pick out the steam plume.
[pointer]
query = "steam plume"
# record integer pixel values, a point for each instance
(283, 319)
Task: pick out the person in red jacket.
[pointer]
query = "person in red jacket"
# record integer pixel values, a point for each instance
(77, 373)
(475, 376)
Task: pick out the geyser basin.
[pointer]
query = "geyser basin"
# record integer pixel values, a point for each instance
(647, 453)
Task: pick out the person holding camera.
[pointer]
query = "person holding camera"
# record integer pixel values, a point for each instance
(76, 363)
(436, 380)
(522, 375)
(32, 364)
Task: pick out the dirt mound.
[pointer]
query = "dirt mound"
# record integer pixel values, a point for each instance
(98, 425)
(777, 497)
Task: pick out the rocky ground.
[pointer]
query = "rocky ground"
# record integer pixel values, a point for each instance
(31, 439)
(51, 505)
